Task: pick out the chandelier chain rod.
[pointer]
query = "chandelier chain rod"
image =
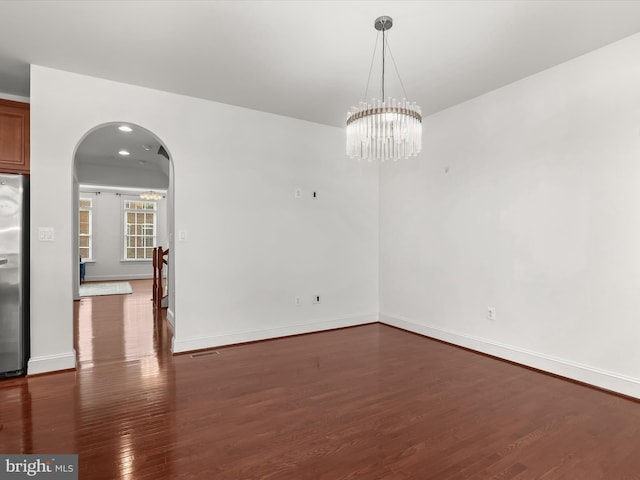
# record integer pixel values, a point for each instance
(395, 66)
(373, 57)
(384, 46)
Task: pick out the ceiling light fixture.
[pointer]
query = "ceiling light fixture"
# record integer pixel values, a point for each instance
(125, 128)
(384, 129)
(151, 195)
(124, 153)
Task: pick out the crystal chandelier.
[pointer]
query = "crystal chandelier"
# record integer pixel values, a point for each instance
(150, 195)
(384, 129)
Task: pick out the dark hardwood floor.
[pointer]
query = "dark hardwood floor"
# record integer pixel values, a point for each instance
(369, 402)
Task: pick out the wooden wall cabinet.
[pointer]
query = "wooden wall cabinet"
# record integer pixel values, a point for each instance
(14, 137)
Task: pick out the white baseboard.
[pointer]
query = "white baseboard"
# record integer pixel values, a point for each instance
(200, 343)
(15, 98)
(171, 318)
(113, 278)
(575, 371)
(52, 363)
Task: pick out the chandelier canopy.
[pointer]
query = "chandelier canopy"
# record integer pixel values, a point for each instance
(384, 129)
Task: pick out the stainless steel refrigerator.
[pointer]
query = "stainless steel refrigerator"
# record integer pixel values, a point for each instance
(14, 278)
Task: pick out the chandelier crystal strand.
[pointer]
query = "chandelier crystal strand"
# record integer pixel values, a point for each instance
(384, 130)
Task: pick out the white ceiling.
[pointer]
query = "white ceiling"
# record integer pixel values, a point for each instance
(101, 147)
(304, 59)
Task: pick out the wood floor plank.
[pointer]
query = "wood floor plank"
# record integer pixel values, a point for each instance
(369, 402)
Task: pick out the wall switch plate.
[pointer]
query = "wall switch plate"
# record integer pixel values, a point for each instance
(297, 300)
(46, 234)
(182, 235)
(316, 299)
(297, 193)
(491, 313)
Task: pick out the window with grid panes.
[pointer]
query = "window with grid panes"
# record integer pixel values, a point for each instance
(139, 229)
(85, 228)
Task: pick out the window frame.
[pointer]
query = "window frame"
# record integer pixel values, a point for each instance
(88, 209)
(126, 209)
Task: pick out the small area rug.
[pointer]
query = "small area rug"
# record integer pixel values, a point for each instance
(110, 288)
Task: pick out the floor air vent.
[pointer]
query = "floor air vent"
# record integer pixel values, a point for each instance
(205, 354)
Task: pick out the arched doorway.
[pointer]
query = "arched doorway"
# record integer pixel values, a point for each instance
(114, 228)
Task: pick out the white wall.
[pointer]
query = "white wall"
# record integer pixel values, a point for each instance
(526, 199)
(108, 234)
(132, 176)
(250, 246)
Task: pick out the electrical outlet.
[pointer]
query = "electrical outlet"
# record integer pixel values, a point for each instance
(491, 313)
(316, 299)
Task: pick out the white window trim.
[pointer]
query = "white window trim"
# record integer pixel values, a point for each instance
(124, 235)
(90, 235)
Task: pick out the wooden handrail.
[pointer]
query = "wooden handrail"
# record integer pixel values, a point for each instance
(159, 261)
(154, 289)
